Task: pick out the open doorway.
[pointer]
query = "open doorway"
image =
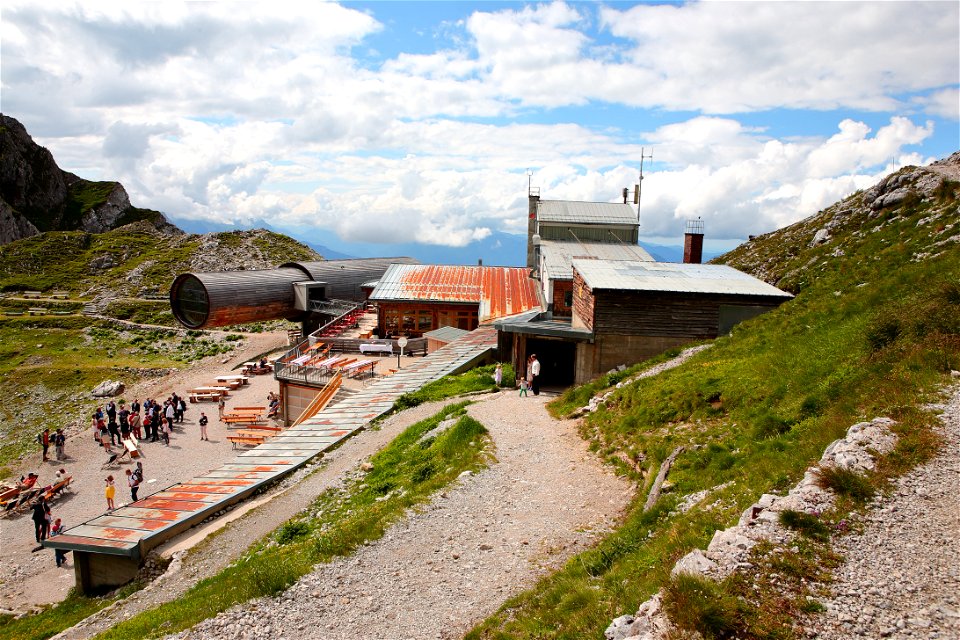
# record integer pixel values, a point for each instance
(557, 361)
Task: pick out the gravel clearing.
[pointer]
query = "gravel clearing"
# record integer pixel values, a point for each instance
(446, 567)
(901, 578)
(29, 579)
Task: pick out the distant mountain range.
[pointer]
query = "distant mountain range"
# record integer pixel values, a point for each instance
(498, 249)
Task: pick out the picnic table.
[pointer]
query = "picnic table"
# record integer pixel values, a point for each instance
(232, 385)
(224, 391)
(250, 440)
(201, 397)
(359, 368)
(233, 377)
(376, 347)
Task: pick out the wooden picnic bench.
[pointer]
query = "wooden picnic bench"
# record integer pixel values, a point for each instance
(266, 428)
(59, 295)
(201, 397)
(249, 409)
(250, 440)
(30, 294)
(37, 311)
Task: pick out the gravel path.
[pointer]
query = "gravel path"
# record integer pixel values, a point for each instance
(901, 578)
(444, 568)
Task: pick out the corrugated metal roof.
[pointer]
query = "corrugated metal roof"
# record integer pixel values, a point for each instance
(445, 334)
(558, 255)
(567, 211)
(500, 291)
(674, 277)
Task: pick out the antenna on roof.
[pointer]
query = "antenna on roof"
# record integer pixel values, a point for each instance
(636, 196)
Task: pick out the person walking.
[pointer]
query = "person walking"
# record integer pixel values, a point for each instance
(534, 370)
(41, 519)
(109, 491)
(203, 426)
(170, 412)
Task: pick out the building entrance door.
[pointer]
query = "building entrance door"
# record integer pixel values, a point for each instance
(557, 359)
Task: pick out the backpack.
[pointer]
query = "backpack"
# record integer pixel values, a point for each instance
(40, 438)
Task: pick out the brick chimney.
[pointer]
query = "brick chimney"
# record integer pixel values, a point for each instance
(693, 242)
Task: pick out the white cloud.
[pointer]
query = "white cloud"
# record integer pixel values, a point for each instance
(246, 111)
(732, 57)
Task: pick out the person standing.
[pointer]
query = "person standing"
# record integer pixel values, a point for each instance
(59, 554)
(220, 405)
(44, 439)
(498, 374)
(203, 426)
(109, 491)
(41, 519)
(59, 443)
(523, 387)
(534, 375)
(170, 412)
(133, 481)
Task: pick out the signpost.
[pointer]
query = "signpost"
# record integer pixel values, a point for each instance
(401, 342)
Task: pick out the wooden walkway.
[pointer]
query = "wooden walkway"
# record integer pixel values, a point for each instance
(108, 549)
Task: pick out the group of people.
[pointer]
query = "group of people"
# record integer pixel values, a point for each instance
(58, 440)
(112, 424)
(532, 379)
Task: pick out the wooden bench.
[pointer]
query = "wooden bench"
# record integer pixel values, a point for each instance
(13, 312)
(30, 294)
(201, 397)
(37, 311)
(59, 295)
(250, 440)
(243, 420)
(237, 409)
(265, 428)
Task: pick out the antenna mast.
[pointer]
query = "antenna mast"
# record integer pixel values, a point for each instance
(640, 184)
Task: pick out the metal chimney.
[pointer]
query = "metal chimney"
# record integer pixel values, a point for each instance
(693, 242)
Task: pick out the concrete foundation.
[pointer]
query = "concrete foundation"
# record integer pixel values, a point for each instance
(98, 572)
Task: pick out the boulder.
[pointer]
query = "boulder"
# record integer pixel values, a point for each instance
(108, 389)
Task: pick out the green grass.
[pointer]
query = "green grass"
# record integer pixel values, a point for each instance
(758, 409)
(405, 474)
(63, 615)
(477, 379)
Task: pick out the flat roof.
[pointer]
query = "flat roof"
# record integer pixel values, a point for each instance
(673, 277)
(568, 211)
(558, 255)
(499, 291)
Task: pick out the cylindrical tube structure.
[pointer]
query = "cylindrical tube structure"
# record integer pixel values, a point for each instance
(201, 300)
(344, 278)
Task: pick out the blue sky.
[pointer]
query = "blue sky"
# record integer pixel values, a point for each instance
(389, 122)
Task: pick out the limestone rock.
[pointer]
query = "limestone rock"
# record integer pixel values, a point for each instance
(108, 389)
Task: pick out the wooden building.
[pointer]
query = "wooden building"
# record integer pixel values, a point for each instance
(627, 311)
(414, 299)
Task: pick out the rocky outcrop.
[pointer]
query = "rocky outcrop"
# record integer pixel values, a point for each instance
(37, 196)
(729, 550)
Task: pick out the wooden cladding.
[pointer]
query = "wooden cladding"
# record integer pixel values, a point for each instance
(655, 313)
(414, 319)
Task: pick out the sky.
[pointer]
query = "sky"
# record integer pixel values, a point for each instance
(388, 122)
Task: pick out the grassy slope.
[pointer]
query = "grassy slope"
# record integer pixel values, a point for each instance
(47, 362)
(875, 325)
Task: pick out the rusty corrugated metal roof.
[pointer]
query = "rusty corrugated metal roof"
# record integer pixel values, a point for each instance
(500, 291)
